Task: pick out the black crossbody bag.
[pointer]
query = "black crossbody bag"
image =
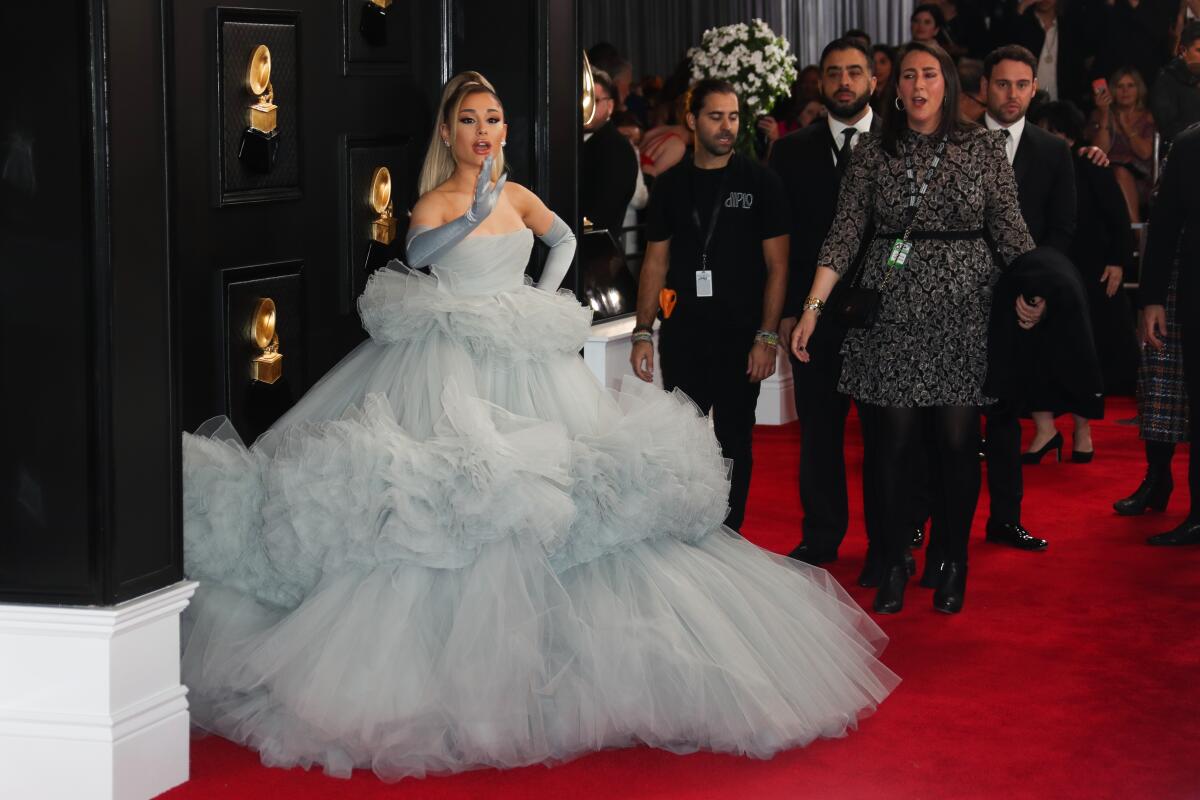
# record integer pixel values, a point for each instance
(856, 306)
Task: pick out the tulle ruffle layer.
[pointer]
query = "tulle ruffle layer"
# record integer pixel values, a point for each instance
(516, 323)
(408, 670)
(362, 492)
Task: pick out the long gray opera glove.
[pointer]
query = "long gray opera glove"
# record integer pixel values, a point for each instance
(562, 249)
(426, 245)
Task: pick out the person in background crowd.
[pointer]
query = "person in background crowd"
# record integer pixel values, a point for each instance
(1046, 187)
(665, 145)
(608, 164)
(813, 111)
(807, 86)
(1175, 229)
(717, 235)
(860, 36)
(811, 163)
(1102, 251)
(1123, 127)
(974, 98)
(928, 24)
(884, 58)
(1060, 43)
(1175, 99)
(966, 27)
(939, 186)
(1134, 33)
(627, 124)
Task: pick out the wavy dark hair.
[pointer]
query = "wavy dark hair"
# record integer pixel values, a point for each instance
(895, 121)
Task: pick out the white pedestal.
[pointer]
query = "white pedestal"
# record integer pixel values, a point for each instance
(91, 707)
(606, 352)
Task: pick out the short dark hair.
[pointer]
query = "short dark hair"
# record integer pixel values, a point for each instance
(970, 74)
(1061, 116)
(703, 89)
(895, 121)
(601, 78)
(847, 43)
(858, 33)
(1189, 34)
(1009, 52)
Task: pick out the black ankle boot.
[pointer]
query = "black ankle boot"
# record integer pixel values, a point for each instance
(890, 598)
(952, 586)
(932, 574)
(1153, 493)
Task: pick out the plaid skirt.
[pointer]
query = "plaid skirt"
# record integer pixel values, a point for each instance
(1162, 391)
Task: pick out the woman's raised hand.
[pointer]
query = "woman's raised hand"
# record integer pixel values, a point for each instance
(485, 201)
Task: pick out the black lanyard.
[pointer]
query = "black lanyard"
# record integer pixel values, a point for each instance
(716, 212)
(917, 193)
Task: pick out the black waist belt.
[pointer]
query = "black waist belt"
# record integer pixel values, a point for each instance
(938, 235)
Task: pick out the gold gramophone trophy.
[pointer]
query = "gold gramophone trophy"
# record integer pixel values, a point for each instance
(260, 141)
(373, 23)
(383, 226)
(267, 366)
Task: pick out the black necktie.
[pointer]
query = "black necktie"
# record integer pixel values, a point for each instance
(843, 154)
(1007, 138)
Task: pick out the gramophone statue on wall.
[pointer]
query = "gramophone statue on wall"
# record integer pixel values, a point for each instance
(267, 366)
(260, 141)
(383, 226)
(373, 24)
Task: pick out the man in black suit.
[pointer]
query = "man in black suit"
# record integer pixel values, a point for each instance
(1046, 189)
(811, 162)
(1175, 228)
(609, 164)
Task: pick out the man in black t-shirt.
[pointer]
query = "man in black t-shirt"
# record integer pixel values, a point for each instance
(717, 235)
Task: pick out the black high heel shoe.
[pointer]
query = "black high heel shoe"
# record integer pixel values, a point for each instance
(1082, 456)
(1035, 456)
(952, 587)
(1153, 493)
(890, 598)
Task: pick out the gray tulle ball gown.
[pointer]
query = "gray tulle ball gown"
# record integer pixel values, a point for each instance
(458, 551)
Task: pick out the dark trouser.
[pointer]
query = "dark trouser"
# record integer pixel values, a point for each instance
(822, 410)
(709, 366)
(896, 439)
(1005, 484)
(1191, 374)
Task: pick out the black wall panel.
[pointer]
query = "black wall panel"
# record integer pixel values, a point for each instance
(131, 273)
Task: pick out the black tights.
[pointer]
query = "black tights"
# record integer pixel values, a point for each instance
(897, 440)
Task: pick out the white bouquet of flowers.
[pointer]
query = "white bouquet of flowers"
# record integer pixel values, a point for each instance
(758, 63)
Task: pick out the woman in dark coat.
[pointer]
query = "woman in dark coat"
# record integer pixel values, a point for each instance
(1102, 251)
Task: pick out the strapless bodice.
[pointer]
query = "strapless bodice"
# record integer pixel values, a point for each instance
(485, 264)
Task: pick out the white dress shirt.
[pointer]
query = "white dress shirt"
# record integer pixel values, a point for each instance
(1014, 134)
(836, 128)
(1047, 71)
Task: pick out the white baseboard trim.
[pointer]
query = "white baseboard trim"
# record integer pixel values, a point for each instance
(91, 706)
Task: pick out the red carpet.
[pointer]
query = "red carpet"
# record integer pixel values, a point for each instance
(1072, 673)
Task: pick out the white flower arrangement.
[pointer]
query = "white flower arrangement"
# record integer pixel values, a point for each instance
(759, 64)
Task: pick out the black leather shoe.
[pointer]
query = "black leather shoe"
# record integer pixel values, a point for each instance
(934, 564)
(872, 572)
(1153, 493)
(1013, 535)
(910, 563)
(952, 587)
(890, 597)
(810, 556)
(1186, 533)
(918, 538)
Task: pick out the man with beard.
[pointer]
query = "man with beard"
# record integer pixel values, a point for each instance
(811, 162)
(717, 236)
(1046, 189)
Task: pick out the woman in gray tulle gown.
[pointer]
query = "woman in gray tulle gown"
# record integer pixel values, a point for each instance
(458, 550)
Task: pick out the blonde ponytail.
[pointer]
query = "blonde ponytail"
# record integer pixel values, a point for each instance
(439, 159)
